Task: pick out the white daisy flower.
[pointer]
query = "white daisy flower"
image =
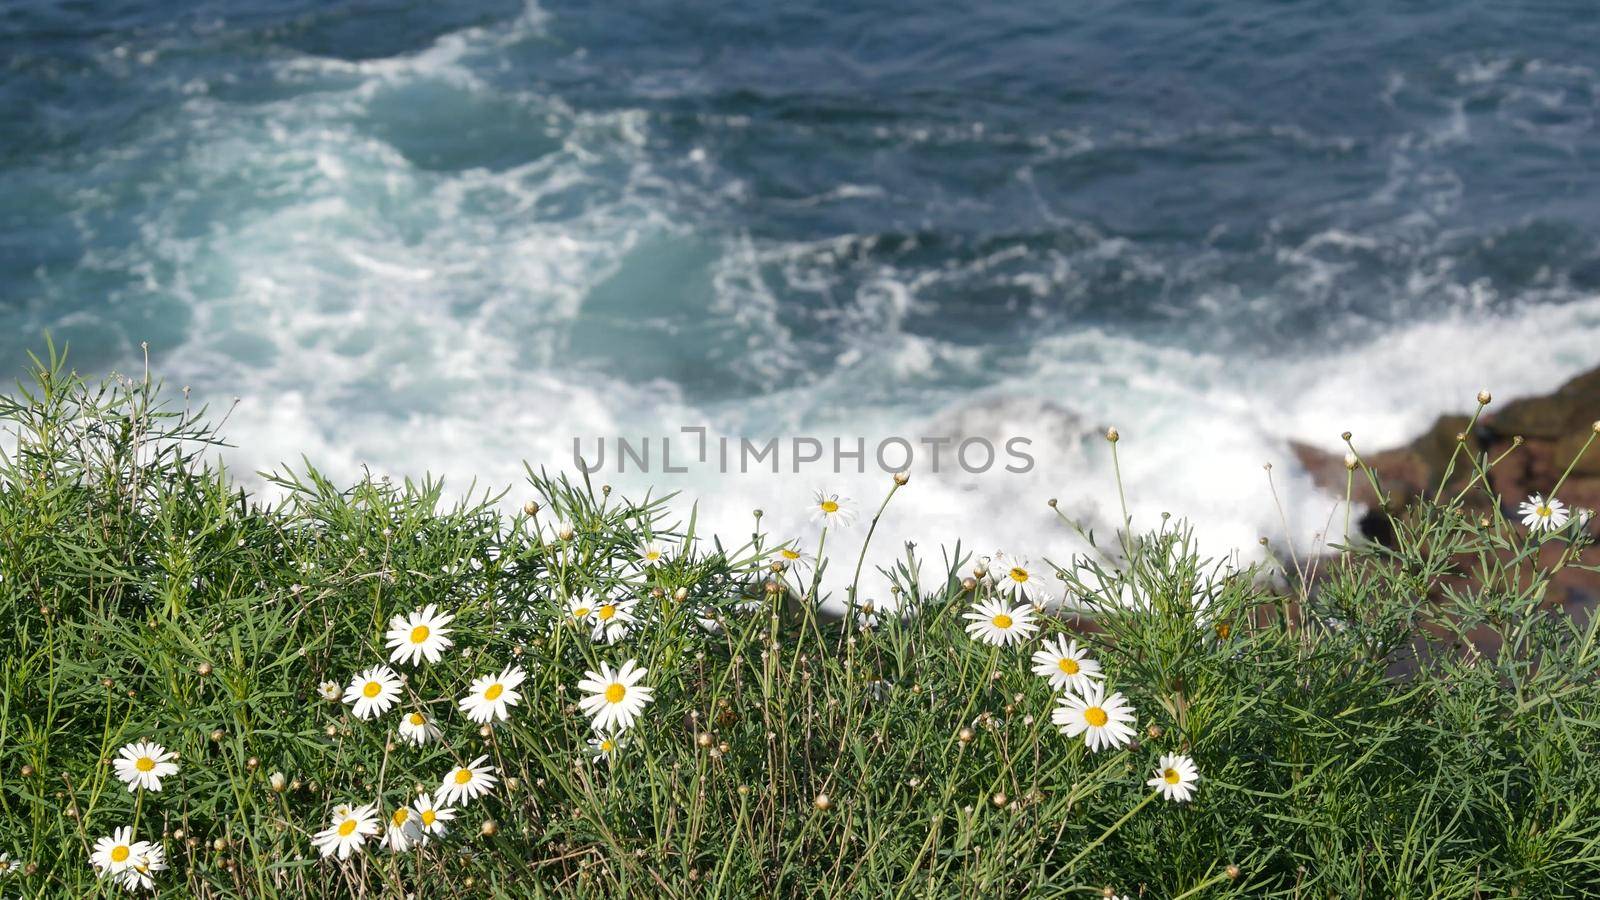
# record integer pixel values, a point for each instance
(654, 553)
(998, 623)
(468, 782)
(831, 509)
(7, 867)
(490, 696)
(329, 691)
(1175, 777)
(612, 620)
(117, 853)
(1065, 664)
(431, 818)
(418, 728)
(1539, 514)
(424, 634)
(404, 830)
(615, 697)
(603, 747)
(1105, 722)
(866, 614)
(372, 692)
(1017, 575)
(351, 827)
(581, 609)
(144, 764)
(141, 875)
(793, 557)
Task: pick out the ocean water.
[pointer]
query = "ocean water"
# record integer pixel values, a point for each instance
(450, 237)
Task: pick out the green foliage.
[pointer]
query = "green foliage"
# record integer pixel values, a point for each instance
(1417, 721)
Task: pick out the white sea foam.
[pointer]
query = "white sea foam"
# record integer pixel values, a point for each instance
(371, 312)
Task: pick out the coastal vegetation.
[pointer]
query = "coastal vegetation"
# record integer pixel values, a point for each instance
(385, 689)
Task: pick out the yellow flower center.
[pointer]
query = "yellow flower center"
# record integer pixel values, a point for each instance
(417, 719)
(1171, 776)
(372, 689)
(607, 745)
(145, 764)
(1001, 621)
(347, 827)
(1068, 665)
(119, 853)
(494, 692)
(652, 555)
(830, 506)
(428, 816)
(615, 693)
(419, 634)
(789, 555)
(463, 776)
(1095, 716)
(606, 612)
(1544, 512)
(1018, 574)
(580, 612)
(401, 815)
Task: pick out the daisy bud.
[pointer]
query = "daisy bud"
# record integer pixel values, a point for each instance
(965, 735)
(252, 764)
(681, 594)
(105, 682)
(566, 533)
(177, 835)
(1461, 437)
(485, 731)
(770, 586)
(823, 802)
(331, 731)
(1112, 435)
(513, 783)
(204, 669)
(1154, 731)
(999, 799)
(724, 747)
(219, 844)
(216, 736)
(1108, 891)
(1350, 462)
(1595, 427)
(1232, 870)
(531, 508)
(490, 828)
(1484, 397)
(1516, 441)
(27, 771)
(901, 477)
(704, 739)
(278, 782)
(744, 790)
(296, 785)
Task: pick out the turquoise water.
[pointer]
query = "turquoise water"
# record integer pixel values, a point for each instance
(453, 236)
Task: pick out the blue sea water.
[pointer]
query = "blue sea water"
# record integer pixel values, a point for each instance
(451, 236)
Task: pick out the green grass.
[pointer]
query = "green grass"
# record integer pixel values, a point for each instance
(146, 596)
